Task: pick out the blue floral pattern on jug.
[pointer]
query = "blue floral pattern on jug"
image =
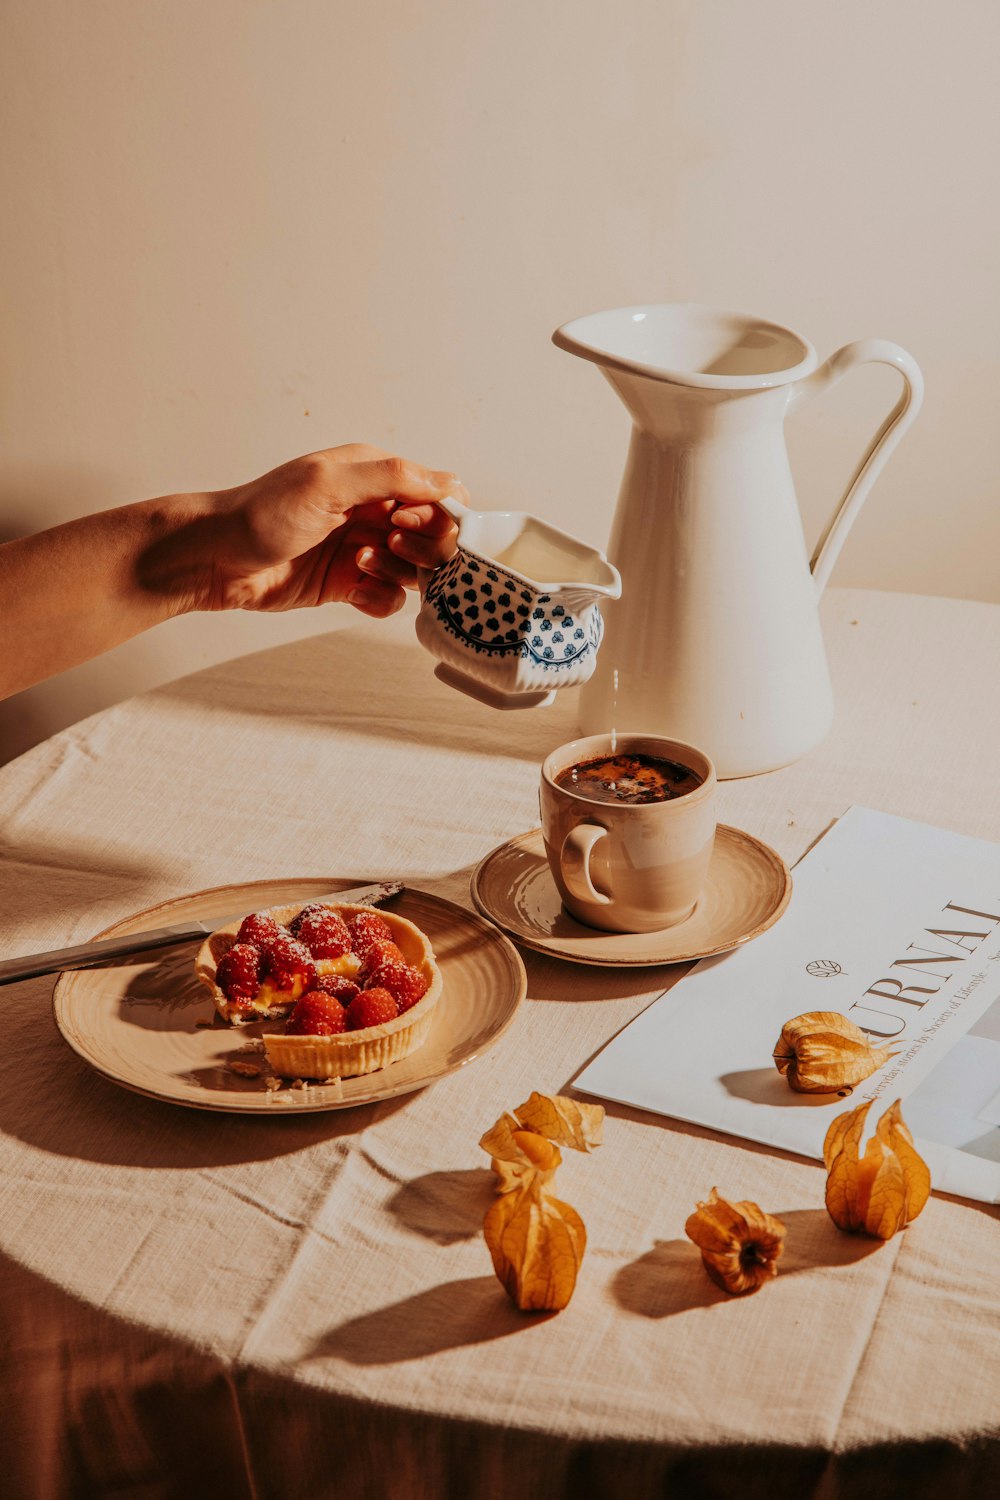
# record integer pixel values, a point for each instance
(499, 615)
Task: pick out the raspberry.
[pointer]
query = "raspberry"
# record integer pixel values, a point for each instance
(377, 954)
(317, 1014)
(238, 972)
(286, 961)
(339, 986)
(324, 933)
(371, 1008)
(368, 927)
(299, 918)
(258, 930)
(405, 984)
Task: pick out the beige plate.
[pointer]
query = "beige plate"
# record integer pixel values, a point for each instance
(749, 886)
(148, 1022)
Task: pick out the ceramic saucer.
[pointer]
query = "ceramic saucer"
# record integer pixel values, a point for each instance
(748, 888)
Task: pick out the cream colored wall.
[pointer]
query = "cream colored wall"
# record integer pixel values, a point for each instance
(239, 229)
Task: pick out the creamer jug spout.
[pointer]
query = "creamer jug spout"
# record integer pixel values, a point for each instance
(716, 638)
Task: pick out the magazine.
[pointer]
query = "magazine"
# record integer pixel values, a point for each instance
(892, 923)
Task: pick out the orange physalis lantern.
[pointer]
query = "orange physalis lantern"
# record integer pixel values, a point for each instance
(822, 1052)
(880, 1192)
(739, 1243)
(537, 1241)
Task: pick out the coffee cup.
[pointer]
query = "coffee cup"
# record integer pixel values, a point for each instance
(628, 822)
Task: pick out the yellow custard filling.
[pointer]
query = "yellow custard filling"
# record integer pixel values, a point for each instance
(347, 965)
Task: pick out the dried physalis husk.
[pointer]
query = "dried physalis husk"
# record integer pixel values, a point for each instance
(563, 1120)
(822, 1052)
(513, 1164)
(536, 1240)
(739, 1243)
(553, 1116)
(880, 1192)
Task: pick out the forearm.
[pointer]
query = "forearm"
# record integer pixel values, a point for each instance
(316, 530)
(70, 593)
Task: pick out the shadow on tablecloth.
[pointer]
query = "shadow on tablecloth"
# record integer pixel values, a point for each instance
(387, 690)
(96, 1406)
(51, 1100)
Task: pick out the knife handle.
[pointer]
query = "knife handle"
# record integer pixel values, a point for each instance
(86, 955)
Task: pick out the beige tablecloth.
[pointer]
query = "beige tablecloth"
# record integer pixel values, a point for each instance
(197, 1303)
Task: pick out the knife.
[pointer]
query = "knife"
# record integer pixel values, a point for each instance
(88, 955)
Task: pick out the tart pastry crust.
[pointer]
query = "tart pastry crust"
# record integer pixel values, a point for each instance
(350, 1053)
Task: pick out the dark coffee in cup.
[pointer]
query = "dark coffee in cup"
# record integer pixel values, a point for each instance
(629, 778)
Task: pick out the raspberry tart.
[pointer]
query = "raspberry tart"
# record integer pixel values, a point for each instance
(298, 965)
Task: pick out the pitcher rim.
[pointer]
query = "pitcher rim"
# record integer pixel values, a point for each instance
(567, 338)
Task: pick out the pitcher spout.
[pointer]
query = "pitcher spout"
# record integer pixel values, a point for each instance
(692, 345)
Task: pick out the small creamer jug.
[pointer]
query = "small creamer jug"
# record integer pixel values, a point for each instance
(514, 615)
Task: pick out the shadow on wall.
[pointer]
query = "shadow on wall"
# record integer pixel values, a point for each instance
(32, 502)
(25, 720)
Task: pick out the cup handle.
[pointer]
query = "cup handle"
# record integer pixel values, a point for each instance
(865, 351)
(574, 857)
(453, 506)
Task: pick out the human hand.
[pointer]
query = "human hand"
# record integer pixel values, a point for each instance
(351, 523)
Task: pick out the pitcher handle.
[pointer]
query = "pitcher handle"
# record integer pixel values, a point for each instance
(865, 351)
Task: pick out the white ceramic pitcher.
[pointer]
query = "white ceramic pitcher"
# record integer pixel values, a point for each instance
(716, 637)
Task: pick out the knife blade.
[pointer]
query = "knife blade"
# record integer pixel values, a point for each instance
(89, 955)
